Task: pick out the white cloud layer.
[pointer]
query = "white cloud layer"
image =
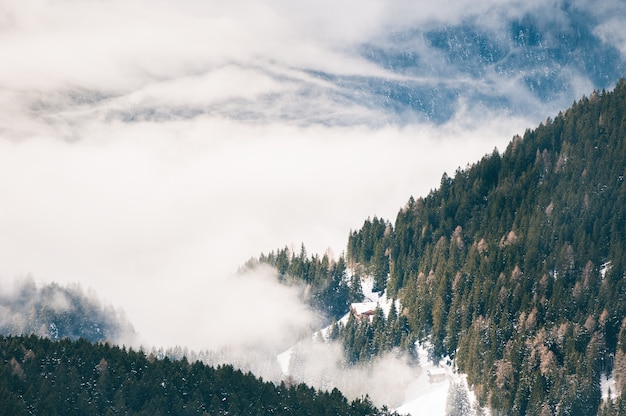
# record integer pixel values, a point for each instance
(149, 148)
(156, 216)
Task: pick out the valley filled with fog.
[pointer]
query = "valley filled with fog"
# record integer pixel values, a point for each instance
(148, 149)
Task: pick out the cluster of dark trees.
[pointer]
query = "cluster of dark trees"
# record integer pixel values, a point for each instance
(364, 339)
(39, 376)
(516, 266)
(369, 248)
(329, 290)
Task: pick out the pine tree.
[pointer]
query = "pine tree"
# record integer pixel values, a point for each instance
(457, 401)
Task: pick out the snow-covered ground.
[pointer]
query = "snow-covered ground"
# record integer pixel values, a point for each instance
(422, 395)
(425, 397)
(284, 359)
(607, 386)
(431, 402)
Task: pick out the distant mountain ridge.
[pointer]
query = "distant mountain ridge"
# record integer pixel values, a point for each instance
(522, 64)
(546, 55)
(522, 60)
(56, 312)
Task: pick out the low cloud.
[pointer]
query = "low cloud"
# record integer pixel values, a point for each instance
(275, 61)
(148, 149)
(246, 311)
(155, 216)
(386, 380)
(54, 311)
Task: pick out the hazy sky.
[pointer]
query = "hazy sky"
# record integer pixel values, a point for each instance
(149, 148)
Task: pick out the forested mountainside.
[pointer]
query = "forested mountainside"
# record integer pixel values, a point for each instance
(55, 311)
(43, 377)
(516, 266)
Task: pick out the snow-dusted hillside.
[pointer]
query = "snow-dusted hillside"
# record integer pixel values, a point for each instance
(392, 381)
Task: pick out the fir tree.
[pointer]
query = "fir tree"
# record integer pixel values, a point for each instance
(457, 401)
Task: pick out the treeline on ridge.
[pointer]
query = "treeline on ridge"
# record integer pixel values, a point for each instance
(44, 377)
(329, 289)
(55, 311)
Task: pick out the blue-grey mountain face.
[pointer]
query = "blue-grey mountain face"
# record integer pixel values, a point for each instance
(540, 60)
(417, 63)
(528, 64)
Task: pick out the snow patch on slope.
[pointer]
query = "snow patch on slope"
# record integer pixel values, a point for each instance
(608, 387)
(284, 359)
(428, 395)
(411, 389)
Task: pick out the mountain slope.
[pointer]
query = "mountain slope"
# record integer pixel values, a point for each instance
(546, 51)
(40, 376)
(516, 265)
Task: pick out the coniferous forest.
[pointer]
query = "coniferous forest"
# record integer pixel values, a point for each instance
(39, 376)
(514, 267)
(330, 293)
